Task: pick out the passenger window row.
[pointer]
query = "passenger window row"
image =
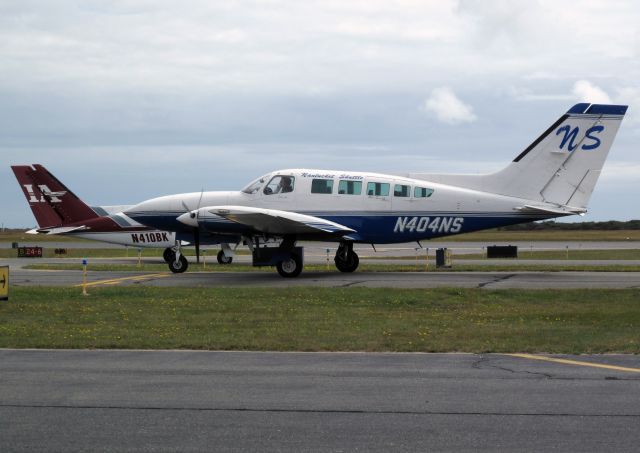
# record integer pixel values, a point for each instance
(282, 184)
(375, 189)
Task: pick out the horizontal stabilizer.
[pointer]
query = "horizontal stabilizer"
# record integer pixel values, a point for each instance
(564, 210)
(56, 230)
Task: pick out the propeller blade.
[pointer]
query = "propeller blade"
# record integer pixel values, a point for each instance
(196, 240)
(192, 218)
(199, 201)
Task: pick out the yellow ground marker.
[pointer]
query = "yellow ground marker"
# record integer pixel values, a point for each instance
(4, 282)
(115, 281)
(575, 362)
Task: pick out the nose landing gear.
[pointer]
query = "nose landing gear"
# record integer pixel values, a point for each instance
(175, 259)
(179, 265)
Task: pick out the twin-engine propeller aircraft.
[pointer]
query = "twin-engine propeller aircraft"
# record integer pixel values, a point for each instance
(59, 211)
(552, 177)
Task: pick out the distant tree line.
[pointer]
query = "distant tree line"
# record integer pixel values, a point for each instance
(553, 225)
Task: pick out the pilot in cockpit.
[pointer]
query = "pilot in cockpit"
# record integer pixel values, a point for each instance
(285, 185)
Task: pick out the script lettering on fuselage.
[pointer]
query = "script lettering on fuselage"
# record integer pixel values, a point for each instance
(330, 176)
(145, 238)
(434, 224)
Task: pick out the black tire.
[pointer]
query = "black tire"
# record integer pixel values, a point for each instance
(169, 255)
(223, 259)
(290, 268)
(180, 266)
(350, 264)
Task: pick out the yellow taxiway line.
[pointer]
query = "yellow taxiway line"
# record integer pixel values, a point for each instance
(115, 281)
(575, 362)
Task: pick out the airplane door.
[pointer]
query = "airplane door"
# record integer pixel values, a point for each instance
(378, 196)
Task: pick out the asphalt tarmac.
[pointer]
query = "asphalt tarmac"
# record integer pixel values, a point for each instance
(245, 401)
(487, 280)
(407, 249)
(316, 254)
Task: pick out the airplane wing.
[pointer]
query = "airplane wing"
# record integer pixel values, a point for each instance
(274, 221)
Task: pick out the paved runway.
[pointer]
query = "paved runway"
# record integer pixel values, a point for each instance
(226, 401)
(332, 278)
(488, 280)
(407, 249)
(318, 259)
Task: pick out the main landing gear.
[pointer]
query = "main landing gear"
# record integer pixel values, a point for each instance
(291, 267)
(289, 259)
(346, 259)
(286, 257)
(224, 259)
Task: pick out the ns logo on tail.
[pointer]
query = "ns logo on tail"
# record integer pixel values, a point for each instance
(571, 134)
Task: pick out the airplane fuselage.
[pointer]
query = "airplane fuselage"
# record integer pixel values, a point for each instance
(379, 208)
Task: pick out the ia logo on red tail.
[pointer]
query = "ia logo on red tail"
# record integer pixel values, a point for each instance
(46, 194)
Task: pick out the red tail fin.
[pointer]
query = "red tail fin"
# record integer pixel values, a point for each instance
(51, 202)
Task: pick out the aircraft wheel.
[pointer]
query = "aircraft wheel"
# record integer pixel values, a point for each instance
(169, 255)
(223, 259)
(290, 268)
(178, 267)
(349, 264)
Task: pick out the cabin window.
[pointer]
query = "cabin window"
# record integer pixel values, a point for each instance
(422, 192)
(322, 186)
(279, 184)
(401, 191)
(346, 187)
(378, 189)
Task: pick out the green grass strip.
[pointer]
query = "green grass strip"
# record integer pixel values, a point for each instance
(324, 319)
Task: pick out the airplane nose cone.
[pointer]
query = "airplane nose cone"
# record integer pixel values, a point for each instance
(188, 218)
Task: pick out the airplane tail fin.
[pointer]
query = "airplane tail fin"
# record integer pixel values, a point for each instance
(561, 166)
(51, 202)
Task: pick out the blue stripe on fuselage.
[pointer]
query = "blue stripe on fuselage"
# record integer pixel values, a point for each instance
(407, 228)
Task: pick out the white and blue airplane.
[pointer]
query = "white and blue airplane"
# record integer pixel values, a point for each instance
(552, 177)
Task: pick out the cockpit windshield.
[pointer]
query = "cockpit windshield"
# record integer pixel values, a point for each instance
(256, 185)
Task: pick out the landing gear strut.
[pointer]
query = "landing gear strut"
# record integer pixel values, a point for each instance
(177, 262)
(346, 259)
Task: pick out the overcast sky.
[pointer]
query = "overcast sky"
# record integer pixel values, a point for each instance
(127, 100)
